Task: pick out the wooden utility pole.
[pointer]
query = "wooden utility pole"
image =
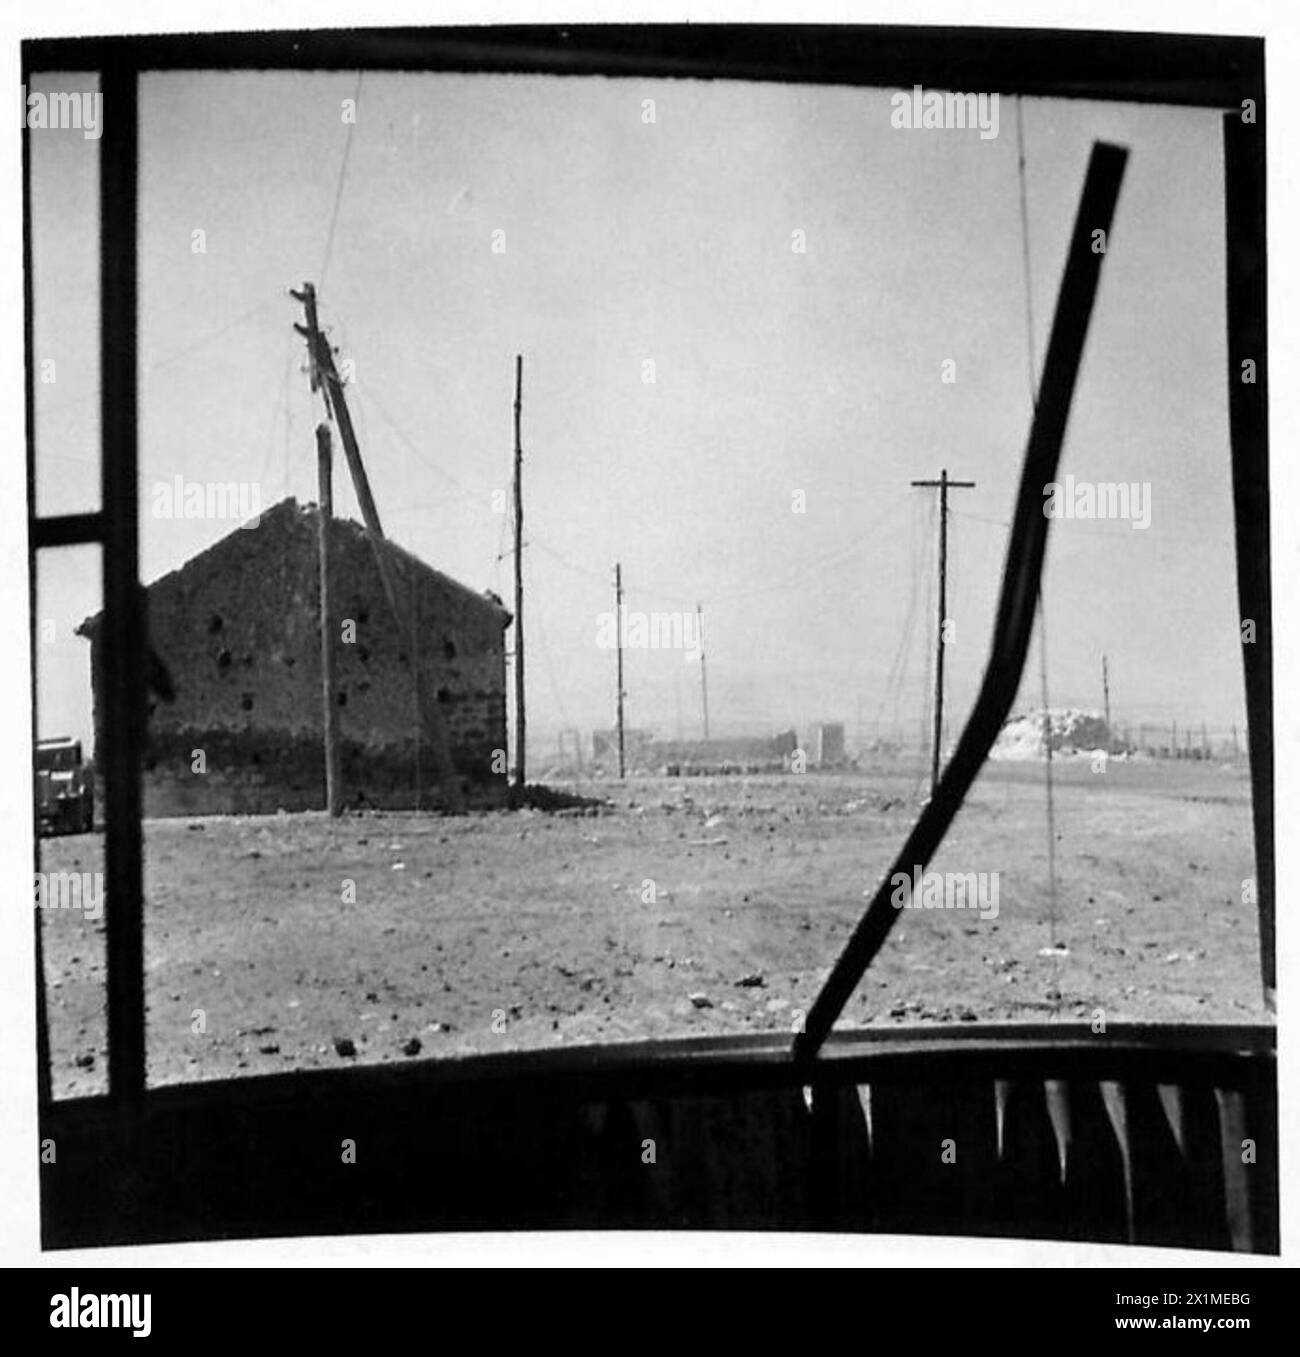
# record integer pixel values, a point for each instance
(704, 678)
(520, 724)
(618, 623)
(329, 721)
(325, 378)
(944, 485)
(1105, 697)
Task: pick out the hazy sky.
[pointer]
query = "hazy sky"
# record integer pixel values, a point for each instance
(775, 372)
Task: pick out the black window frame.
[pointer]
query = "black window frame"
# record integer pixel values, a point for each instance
(1189, 70)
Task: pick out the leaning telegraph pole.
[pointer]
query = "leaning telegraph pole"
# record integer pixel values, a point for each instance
(520, 725)
(618, 624)
(704, 678)
(325, 379)
(944, 485)
(329, 716)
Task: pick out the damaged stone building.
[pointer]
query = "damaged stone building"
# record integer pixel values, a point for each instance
(417, 701)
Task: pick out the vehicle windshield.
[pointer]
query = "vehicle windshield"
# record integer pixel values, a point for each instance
(773, 354)
(58, 758)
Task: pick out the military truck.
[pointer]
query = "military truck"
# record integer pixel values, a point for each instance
(65, 788)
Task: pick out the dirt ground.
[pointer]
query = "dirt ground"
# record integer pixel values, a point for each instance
(684, 906)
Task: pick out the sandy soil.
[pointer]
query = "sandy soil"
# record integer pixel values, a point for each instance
(683, 906)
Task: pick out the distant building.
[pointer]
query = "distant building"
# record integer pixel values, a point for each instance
(238, 629)
(726, 754)
(827, 745)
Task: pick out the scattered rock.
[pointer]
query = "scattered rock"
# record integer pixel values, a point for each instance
(752, 981)
(413, 1047)
(345, 1046)
(701, 1001)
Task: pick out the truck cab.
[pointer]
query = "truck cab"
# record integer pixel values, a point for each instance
(65, 788)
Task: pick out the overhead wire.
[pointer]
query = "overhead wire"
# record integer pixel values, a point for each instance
(1032, 366)
(44, 411)
(897, 669)
(338, 189)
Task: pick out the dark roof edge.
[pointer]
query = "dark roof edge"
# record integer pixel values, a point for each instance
(290, 508)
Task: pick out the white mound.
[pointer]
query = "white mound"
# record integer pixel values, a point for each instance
(1073, 731)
